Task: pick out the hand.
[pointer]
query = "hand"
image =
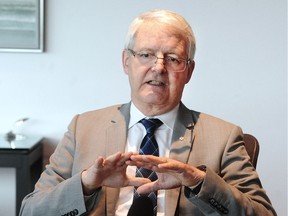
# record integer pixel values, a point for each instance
(109, 172)
(171, 173)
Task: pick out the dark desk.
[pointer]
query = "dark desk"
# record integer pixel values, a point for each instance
(26, 157)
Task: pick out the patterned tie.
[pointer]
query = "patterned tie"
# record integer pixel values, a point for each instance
(149, 146)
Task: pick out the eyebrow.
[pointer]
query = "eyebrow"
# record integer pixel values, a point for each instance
(152, 51)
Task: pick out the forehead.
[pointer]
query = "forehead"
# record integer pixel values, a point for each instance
(160, 37)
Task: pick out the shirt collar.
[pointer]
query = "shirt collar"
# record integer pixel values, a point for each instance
(168, 118)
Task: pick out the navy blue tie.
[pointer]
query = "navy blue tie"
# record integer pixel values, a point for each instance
(149, 146)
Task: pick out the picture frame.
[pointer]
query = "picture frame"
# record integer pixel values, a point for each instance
(21, 25)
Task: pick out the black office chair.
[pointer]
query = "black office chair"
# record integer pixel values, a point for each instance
(252, 148)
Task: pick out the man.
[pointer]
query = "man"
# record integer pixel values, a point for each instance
(201, 163)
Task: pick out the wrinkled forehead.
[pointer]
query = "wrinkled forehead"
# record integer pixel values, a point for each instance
(161, 28)
(151, 30)
(158, 36)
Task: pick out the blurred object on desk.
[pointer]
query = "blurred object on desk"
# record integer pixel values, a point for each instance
(16, 132)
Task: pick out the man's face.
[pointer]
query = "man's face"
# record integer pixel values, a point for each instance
(154, 90)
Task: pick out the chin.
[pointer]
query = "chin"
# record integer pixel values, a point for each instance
(158, 100)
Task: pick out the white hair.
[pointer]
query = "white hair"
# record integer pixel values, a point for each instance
(164, 18)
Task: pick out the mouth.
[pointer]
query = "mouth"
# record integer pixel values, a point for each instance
(156, 83)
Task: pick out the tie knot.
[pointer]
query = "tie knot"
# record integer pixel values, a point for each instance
(151, 124)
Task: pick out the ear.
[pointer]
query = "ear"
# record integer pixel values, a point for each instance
(125, 60)
(191, 67)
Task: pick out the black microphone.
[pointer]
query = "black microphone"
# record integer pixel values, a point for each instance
(141, 206)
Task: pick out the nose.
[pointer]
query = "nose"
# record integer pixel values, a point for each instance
(159, 66)
(161, 59)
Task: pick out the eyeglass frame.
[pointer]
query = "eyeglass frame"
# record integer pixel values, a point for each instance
(188, 61)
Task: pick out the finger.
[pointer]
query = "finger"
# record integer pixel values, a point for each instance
(149, 159)
(124, 157)
(148, 188)
(136, 163)
(137, 181)
(131, 163)
(99, 162)
(146, 161)
(115, 156)
(145, 165)
(174, 167)
(112, 159)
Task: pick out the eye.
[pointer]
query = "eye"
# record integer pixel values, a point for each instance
(173, 60)
(145, 55)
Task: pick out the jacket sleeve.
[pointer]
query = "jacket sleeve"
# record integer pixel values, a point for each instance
(59, 191)
(236, 189)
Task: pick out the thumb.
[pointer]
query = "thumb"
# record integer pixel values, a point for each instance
(137, 181)
(148, 187)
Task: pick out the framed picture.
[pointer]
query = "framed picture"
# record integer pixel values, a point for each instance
(21, 25)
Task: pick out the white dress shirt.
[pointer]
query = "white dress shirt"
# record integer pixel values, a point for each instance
(136, 132)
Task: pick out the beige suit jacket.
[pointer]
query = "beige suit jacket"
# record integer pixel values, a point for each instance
(231, 186)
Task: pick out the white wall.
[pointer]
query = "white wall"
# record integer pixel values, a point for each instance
(240, 73)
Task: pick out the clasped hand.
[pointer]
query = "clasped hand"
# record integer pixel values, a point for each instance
(111, 172)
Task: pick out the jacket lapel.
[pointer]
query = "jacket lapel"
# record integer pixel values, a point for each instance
(116, 140)
(181, 146)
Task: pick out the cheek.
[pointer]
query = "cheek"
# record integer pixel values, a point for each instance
(137, 74)
(132, 80)
(175, 79)
(135, 79)
(177, 82)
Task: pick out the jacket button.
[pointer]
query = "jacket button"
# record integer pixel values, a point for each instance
(218, 206)
(75, 211)
(213, 202)
(223, 209)
(72, 213)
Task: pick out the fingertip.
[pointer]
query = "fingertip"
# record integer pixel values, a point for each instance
(132, 157)
(119, 154)
(99, 161)
(146, 188)
(131, 153)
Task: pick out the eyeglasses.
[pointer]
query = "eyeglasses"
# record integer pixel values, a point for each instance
(171, 63)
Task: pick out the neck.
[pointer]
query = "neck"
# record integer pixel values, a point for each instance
(153, 109)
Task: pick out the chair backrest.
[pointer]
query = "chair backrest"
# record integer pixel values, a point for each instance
(252, 147)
